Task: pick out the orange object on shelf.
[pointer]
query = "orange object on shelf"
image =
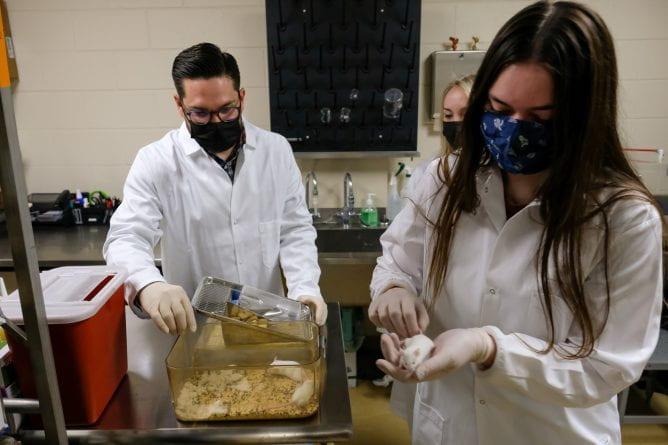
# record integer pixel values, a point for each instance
(8, 71)
(85, 309)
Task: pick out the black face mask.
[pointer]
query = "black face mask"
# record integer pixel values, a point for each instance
(451, 133)
(217, 136)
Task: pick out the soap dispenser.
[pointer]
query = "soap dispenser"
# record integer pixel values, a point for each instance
(369, 215)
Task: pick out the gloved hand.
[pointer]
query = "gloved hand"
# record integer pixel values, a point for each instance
(318, 307)
(452, 350)
(168, 306)
(400, 311)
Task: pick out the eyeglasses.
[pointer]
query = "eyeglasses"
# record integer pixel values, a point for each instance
(202, 117)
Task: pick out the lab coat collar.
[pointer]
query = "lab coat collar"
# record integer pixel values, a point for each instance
(187, 143)
(190, 145)
(252, 134)
(490, 189)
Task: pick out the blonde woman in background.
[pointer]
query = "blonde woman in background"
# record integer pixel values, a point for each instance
(455, 102)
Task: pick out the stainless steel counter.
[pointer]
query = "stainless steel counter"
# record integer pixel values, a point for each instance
(141, 411)
(62, 246)
(82, 245)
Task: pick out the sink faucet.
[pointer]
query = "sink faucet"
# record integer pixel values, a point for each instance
(312, 194)
(348, 209)
(348, 194)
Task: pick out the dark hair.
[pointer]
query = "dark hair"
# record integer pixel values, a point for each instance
(204, 61)
(573, 43)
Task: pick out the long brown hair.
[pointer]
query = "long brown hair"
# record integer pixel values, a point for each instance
(574, 44)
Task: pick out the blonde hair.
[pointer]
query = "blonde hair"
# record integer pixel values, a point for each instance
(466, 84)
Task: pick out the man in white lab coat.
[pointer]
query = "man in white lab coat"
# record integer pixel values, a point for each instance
(223, 197)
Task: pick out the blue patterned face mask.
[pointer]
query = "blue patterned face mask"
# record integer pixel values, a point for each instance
(518, 146)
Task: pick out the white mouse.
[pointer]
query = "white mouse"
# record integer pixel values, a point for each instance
(282, 367)
(415, 350)
(303, 393)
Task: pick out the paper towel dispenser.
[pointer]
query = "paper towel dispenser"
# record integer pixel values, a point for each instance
(446, 67)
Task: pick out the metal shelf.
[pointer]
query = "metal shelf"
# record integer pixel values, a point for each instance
(22, 242)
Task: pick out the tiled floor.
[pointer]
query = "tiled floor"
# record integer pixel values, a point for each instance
(374, 423)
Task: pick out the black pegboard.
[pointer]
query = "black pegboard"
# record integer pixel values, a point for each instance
(320, 50)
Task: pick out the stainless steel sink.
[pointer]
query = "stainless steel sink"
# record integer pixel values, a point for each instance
(334, 236)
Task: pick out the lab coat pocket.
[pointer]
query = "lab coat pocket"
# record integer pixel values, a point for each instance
(428, 424)
(270, 239)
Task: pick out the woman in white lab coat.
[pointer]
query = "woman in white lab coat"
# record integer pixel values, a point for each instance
(455, 102)
(534, 262)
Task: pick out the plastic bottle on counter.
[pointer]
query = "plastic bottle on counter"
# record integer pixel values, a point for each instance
(405, 189)
(369, 215)
(394, 203)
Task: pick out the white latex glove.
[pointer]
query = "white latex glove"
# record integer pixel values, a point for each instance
(452, 350)
(318, 307)
(169, 307)
(400, 311)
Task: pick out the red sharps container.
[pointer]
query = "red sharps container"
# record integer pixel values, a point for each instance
(85, 310)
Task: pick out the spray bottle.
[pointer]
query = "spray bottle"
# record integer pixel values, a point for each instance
(393, 197)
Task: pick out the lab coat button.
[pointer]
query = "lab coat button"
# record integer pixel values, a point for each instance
(236, 221)
(482, 402)
(492, 291)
